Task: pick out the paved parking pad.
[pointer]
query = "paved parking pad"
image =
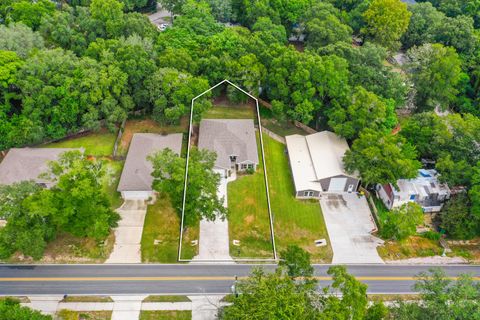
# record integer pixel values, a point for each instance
(349, 223)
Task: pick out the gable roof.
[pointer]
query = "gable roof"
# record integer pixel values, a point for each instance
(23, 164)
(229, 137)
(136, 174)
(315, 157)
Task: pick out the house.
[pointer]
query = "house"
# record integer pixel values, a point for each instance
(316, 162)
(24, 164)
(234, 142)
(136, 179)
(425, 190)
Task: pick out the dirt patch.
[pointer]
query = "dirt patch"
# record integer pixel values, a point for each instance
(249, 219)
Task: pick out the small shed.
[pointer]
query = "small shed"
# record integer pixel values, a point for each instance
(136, 179)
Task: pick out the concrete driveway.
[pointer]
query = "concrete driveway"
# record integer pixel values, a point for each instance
(214, 239)
(349, 223)
(128, 234)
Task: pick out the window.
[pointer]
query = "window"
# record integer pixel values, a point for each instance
(412, 197)
(250, 166)
(308, 193)
(243, 166)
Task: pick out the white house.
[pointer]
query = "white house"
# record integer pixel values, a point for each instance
(316, 161)
(425, 190)
(136, 179)
(234, 142)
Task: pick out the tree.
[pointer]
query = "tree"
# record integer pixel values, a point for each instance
(366, 110)
(172, 6)
(442, 298)
(424, 25)
(270, 296)
(80, 205)
(381, 158)
(326, 30)
(435, 71)
(402, 222)
(386, 22)
(367, 69)
(428, 132)
(297, 262)
(457, 219)
(28, 228)
(459, 33)
(109, 14)
(19, 38)
(171, 93)
(31, 12)
(12, 310)
(201, 198)
(221, 10)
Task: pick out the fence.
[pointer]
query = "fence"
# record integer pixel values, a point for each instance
(372, 206)
(119, 138)
(304, 127)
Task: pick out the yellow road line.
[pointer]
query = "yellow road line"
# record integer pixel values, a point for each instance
(198, 278)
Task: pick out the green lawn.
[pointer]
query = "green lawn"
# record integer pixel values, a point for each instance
(163, 223)
(248, 219)
(95, 144)
(229, 112)
(295, 221)
(86, 315)
(166, 315)
(110, 182)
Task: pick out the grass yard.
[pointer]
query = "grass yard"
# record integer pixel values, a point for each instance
(69, 249)
(230, 112)
(97, 144)
(412, 247)
(84, 315)
(166, 299)
(163, 223)
(87, 299)
(248, 219)
(148, 126)
(296, 221)
(166, 315)
(110, 182)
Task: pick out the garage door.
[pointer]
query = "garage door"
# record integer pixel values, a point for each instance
(337, 184)
(136, 195)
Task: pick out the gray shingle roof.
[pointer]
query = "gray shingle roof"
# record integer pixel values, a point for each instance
(22, 164)
(136, 174)
(229, 137)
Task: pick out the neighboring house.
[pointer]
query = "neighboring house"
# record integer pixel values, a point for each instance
(316, 161)
(23, 164)
(425, 190)
(234, 142)
(136, 179)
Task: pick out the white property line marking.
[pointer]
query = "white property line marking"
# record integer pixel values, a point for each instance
(272, 234)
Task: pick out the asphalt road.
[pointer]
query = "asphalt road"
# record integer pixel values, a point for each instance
(185, 278)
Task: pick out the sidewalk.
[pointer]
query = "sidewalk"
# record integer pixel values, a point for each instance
(129, 307)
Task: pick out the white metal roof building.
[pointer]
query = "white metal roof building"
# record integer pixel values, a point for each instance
(317, 165)
(136, 179)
